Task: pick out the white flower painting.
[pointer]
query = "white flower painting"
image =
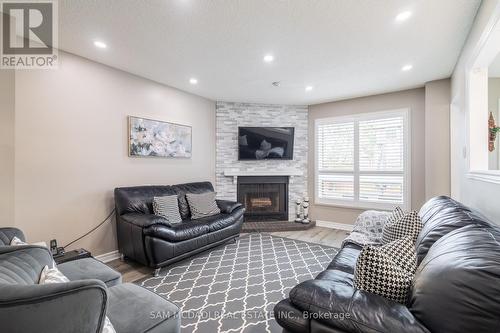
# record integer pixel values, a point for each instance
(153, 138)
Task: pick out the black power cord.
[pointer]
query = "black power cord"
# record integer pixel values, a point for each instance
(94, 229)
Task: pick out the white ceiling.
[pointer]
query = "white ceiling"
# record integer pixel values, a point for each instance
(344, 48)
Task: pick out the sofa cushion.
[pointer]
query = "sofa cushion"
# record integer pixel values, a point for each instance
(457, 285)
(90, 268)
(177, 232)
(182, 189)
(387, 270)
(167, 207)
(440, 216)
(133, 309)
(407, 225)
(139, 199)
(202, 204)
(219, 221)
(334, 295)
(345, 260)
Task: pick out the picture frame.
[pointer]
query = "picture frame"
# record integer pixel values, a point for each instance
(157, 138)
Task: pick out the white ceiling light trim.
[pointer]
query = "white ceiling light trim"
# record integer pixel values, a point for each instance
(406, 68)
(268, 58)
(403, 16)
(100, 44)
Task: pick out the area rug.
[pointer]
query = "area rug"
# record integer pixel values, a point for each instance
(234, 288)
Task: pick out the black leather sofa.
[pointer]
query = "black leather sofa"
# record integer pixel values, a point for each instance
(152, 241)
(456, 287)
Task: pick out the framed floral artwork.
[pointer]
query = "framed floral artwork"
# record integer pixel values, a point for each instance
(155, 138)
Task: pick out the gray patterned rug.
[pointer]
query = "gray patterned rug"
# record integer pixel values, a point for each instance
(234, 288)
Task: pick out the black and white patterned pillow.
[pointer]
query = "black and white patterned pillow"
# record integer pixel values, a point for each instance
(408, 225)
(387, 270)
(202, 204)
(396, 214)
(167, 207)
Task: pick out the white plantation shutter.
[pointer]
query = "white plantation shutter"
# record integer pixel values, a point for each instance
(362, 160)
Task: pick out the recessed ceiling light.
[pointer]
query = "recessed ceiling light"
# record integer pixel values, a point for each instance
(403, 16)
(193, 80)
(406, 68)
(100, 44)
(309, 88)
(268, 58)
(276, 83)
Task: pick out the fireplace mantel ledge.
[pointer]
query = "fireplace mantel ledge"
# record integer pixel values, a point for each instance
(236, 173)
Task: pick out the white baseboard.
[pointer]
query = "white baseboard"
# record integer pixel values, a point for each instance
(107, 257)
(334, 225)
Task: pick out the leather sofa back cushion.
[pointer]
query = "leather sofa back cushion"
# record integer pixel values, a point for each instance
(139, 199)
(440, 216)
(456, 287)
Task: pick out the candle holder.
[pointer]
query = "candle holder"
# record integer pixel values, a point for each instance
(298, 211)
(305, 208)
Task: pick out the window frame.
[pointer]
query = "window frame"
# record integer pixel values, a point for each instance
(356, 202)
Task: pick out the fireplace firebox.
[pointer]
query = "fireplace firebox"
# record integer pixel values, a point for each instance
(264, 197)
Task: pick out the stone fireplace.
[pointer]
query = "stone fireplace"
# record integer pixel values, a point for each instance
(264, 197)
(231, 172)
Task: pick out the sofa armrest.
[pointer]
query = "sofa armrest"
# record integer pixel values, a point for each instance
(144, 220)
(227, 206)
(361, 311)
(77, 306)
(6, 235)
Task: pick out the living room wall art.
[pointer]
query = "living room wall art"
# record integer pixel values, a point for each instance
(155, 138)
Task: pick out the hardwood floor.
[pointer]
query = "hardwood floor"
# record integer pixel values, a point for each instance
(132, 271)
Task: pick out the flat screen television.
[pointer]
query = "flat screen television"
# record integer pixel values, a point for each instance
(265, 143)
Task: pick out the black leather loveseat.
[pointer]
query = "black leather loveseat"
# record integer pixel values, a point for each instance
(152, 241)
(456, 288)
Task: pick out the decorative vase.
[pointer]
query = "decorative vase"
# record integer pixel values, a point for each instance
(298, 211)
(305, 208)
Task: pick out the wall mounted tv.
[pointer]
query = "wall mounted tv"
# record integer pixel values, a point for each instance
(265, 143)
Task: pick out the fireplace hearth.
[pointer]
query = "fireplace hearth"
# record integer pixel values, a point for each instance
(264, 197)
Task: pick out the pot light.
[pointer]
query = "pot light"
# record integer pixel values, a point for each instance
(403, 16)
(193, 80)
(309, 88)
(100, 44)
(268, 58)
(406, 68)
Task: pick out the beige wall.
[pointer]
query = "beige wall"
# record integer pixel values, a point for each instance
(437, 138)
(412, 99)
(71, 146)
(7, 78)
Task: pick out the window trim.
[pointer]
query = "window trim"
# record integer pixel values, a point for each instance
(407, 159)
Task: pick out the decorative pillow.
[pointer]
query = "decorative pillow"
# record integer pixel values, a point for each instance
(53, 275)
(17, 242)
(396, 214)
(387, 270)
(409, 225)
(202, 205)
(167, 207)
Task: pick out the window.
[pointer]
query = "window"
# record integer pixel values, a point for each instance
(363, 160)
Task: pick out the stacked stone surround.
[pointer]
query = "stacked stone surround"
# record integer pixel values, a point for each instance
(230, 116)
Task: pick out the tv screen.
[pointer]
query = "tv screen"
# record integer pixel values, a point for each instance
(265, 143)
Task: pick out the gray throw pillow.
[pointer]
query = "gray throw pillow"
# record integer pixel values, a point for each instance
(167, 207)
(202, 205)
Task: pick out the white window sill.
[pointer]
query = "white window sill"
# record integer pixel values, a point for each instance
(356, 205)
(489, 176)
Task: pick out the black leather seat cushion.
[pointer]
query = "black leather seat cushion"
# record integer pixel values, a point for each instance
(219, 221)
(177, 232)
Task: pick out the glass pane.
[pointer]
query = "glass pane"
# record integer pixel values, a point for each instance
(383, 189)
(336, 186)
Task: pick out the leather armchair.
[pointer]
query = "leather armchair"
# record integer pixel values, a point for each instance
(152, 241)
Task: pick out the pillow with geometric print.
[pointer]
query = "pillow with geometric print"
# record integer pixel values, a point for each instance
(387, 270)
(409, 224)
